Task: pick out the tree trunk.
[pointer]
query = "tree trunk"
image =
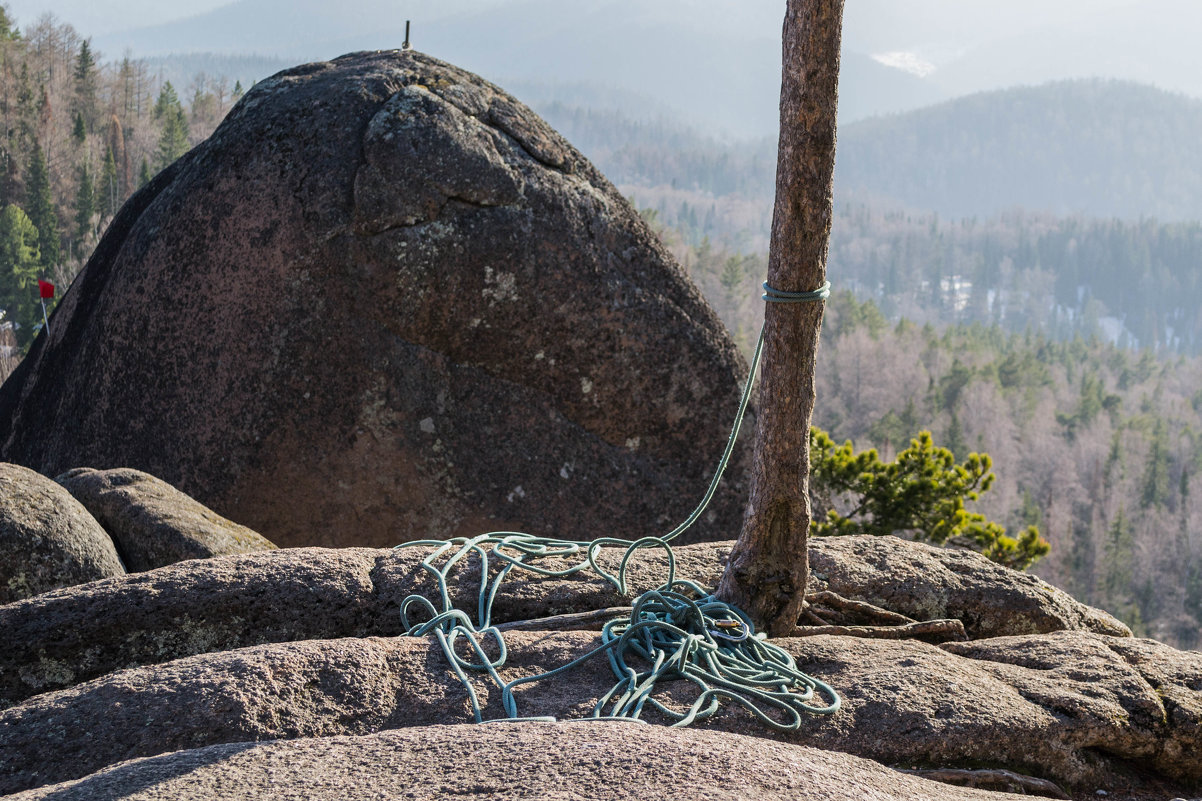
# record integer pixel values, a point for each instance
(767, 572)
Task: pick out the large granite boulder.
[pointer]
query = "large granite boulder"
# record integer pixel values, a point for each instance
(606, 761)
(152, 523)
(385, 301)
(47, 539)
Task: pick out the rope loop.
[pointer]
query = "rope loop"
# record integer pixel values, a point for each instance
(780, 296)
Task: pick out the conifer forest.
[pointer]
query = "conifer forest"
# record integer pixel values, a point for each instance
(81, 134)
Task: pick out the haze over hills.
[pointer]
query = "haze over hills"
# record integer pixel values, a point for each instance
(1098, 148)
(715, 63)
(1002, 207)
(1090, 147)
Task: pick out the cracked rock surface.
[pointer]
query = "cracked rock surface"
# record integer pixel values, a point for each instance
(1063, 707)
(299, 644)
(383, 302)
(69, 636)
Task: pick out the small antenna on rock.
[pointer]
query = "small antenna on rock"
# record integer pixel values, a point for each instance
(406, 45)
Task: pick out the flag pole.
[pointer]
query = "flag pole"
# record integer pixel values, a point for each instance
(45, 290)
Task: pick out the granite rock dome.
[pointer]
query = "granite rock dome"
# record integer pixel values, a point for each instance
(385, 301)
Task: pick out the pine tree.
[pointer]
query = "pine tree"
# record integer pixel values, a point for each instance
(19, 267)
(85, 207)
(40, 205)
(1120, 574)
(125, 80)
(10, 189)
(732, 277)
(768, 568)
(1156, 484)
(144, 174)
(79, 131)
(173, 141)
(955, 437)
(8, 32)
(26, 110)
(168, 101)
(85, 84)
(238, 91)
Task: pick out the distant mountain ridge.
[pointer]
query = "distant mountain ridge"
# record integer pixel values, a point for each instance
(1094, 148)
(1091, 147)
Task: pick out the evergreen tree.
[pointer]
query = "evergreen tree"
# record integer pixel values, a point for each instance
(167, 102)
(26, 110)
(173, 140)
(1120, 555)
(85, 207)
(921, 493)
(955, 437)
(19, 267)
(40, 205)
(8, 31)
(10, 179)
(144, 174)
(125, 81)
(85, 84)
(732, 277)
(79, 131)
(238, 91)
(1156, 484)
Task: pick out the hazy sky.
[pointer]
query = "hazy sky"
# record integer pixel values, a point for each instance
(96, 18)
(879, 24)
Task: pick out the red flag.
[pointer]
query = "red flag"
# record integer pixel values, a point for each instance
(45, 289)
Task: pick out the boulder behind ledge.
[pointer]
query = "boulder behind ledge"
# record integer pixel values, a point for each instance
(152, 523)
(386, 301)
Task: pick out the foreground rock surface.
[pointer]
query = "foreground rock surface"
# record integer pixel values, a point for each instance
(402, 307)
(152, 523)
(600, 761)
(1067, 707)
(67, 637)
(47, 539)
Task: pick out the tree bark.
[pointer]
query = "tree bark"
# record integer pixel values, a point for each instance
(767, 572)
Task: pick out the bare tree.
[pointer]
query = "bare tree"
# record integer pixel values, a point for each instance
(767, 572)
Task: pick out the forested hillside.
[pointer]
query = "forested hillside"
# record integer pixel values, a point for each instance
(1093, 147)
(1078, 148)
(1098, 445)
(1135, 283)
(79, 137)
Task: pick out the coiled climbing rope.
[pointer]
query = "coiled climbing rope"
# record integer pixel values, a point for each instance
(675, 632)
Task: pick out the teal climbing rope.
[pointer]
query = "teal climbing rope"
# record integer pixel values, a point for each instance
(675, 632)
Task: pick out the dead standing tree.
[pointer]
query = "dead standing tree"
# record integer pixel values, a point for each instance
(768, 569)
